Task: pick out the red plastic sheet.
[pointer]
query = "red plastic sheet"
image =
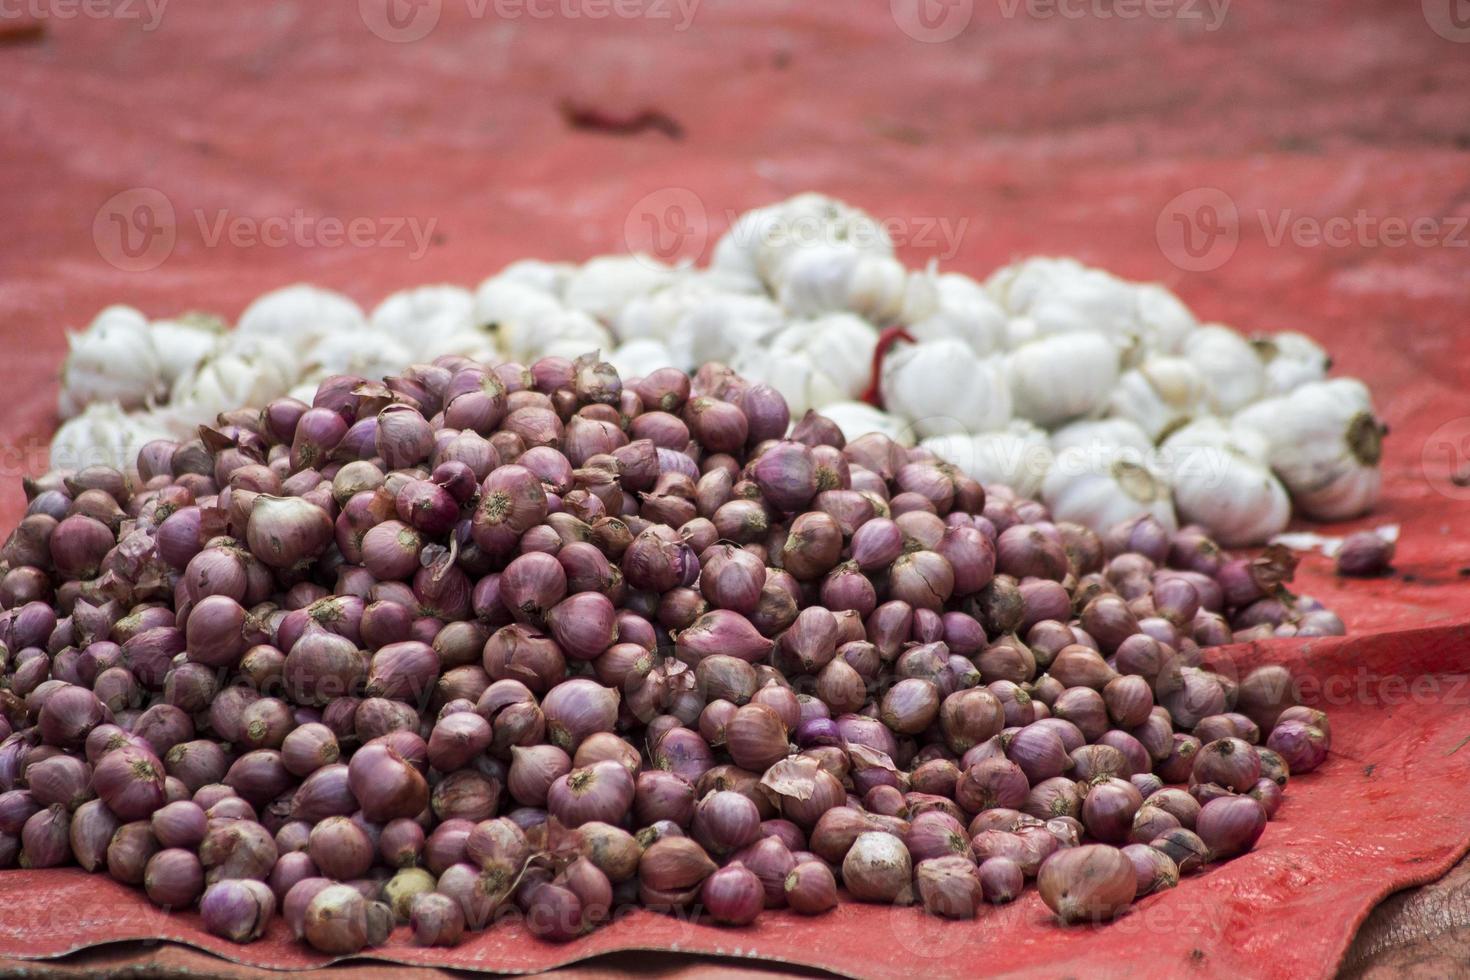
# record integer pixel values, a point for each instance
(1085, 132)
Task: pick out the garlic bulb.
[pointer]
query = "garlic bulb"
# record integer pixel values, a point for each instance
(1221, 481)
(299, 314)
(1017, 456)
(113, 360)
(1229, 364)
(842, 278)
(859, 418)
(282, 363)
(183, 342)
(1098, 489)
(603, 286)
(1062, 376)
(1105, 434)
(757, 244)
(944, 387)
(548, 277)
(373, 355)
(813, 362)
(721, 325)
(526, 341)
(228, 381)
(1325, 444)
(656, 315)
(1164, 322)
(1064, 296)
(1160, 394)
(104, 435)
(640, 358)
(1019, 331)
(962, 310)
(418, 319)
(1290, 360)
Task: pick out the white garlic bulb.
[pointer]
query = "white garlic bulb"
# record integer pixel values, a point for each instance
(299, 314)
(1019, 331)
(183, 342)
(944, 387)
(640, 358)
(228, 381)
(721, 325)
(418, 319)
(280, 363)
(1018, 456)
(1102, 435)
(963, 310)
(813, 362)
(525, 341)
(859, 418)
(113, 360)
(104, 435)
(842, 278)
(1160, 394)
(510, 312)
(1065, 296)
(1325, 444)
(1099, 490)
(604, 285)
(548, 277)
(372, 356)
(1164, 322)
(1229, 363)
(1290, 360)
(1062, 377)
(757, 244)
(1222, 482)
(656, 315)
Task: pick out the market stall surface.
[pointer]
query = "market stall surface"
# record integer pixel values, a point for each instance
(1302, 166)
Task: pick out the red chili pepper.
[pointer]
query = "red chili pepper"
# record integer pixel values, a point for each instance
(886, 339)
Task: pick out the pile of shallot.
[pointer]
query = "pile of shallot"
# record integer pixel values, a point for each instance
(475, 642)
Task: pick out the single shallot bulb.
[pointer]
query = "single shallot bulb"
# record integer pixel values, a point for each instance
(1091, 883)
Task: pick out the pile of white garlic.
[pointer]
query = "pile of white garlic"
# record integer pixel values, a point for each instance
(1104, 398)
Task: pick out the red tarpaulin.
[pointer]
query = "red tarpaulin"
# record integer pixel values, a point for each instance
(1293, 144)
